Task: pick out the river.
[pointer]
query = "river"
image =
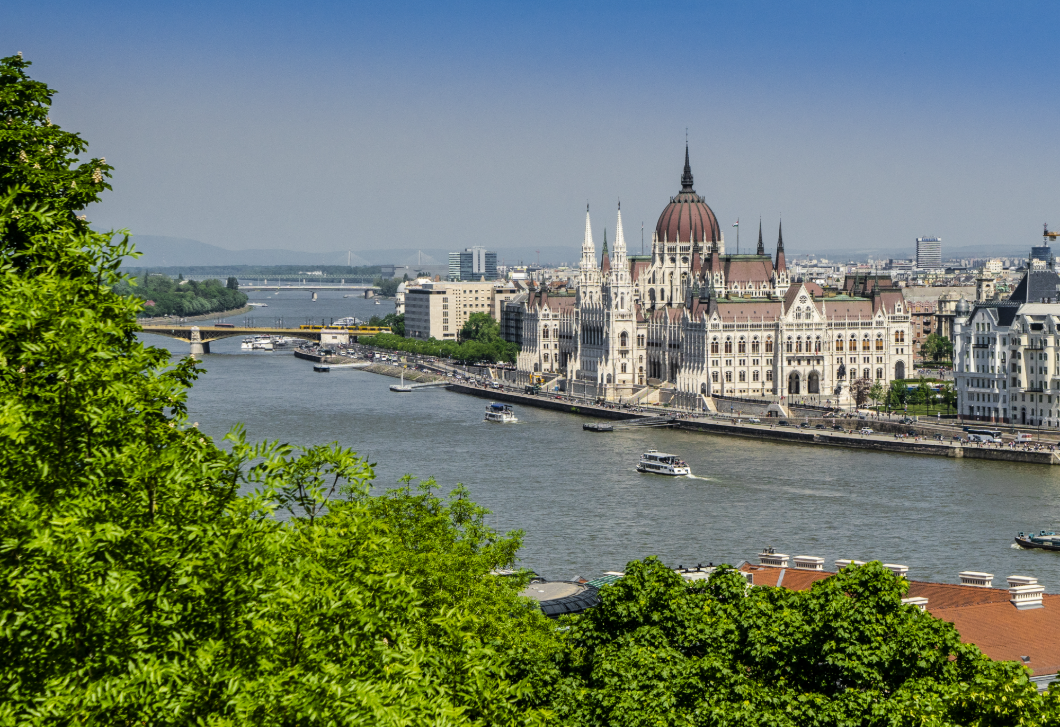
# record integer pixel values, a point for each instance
(584, 508)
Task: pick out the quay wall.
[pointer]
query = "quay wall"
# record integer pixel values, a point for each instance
(790, 435)
(544, 403)
(857, 441)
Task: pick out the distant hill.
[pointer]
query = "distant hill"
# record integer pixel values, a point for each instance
(159, 251)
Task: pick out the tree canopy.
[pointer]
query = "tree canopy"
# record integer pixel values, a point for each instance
(163, 296)
(147, 576)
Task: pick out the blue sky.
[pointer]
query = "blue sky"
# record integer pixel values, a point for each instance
(341, 126)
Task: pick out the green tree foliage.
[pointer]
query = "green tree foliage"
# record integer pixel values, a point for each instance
(39, 164)
(472, 351)
(658, 651)
(937, 348)
(232, 284)
(394, 321)
(898, 394)
(387, 286)
(163, 296)
(948, 396)
(137, 586)
(876, 391)
(480, 327)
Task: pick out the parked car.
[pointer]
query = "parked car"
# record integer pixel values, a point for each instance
(911, 432)
(804, 425)
(905, 420)
(837, 427)
(819, 426)
(754, 420)
(865, 430)
(783, 423)
(1024, 437)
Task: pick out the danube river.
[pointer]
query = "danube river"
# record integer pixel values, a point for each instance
(585, 509)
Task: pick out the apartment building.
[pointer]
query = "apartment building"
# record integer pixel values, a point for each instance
(439, 310)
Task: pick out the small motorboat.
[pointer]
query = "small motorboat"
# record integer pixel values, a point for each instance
(1041, 541)
(401, 388)
(659, 463)
(500, 414)
(598, 427)
(321, 368)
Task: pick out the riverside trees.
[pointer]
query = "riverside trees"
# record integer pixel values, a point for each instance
(145, 577)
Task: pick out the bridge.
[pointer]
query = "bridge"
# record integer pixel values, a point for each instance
(200, 336)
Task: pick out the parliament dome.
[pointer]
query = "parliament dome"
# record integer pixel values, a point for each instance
(688, 216)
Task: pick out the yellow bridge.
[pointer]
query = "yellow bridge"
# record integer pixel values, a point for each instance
(199, 337)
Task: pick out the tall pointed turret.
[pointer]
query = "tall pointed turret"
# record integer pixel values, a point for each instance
(761, 247)
(605, 261)
(620, 243)
(686, 176)
(781, 266)
(588, 249)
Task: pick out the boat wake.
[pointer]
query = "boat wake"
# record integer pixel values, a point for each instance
(697, 477)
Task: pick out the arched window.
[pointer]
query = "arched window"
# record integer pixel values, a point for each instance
(728, 376)
(741, 346)
(754, 376)
(798, 345)
(714, 376)
(901, 336)
(865, 346)
(714, 346)
(728, 345)
(879, 373)
(609, 378)
(743, 376)
(879, 347)
(703, 389)
(769, 374)
(865, 373)
(769, 345)
(546, 357)
(754, 346)
(624, 339)
(789, 345)
(897, 336)
(838, 344)
(544, 333)
(817, 345)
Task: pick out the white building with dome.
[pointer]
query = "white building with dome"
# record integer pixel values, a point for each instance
(698, 322)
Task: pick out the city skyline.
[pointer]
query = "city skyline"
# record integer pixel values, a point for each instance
(360, 128)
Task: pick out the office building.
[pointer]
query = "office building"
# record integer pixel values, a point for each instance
(473, 264)
(929, 253)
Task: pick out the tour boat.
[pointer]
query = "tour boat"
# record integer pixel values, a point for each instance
(401, 389)
(261, 343)
(500, 413)
(248, 344)
(1042, 541)
(660, 463)
(258, 305)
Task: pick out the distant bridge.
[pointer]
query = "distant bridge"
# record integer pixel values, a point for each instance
(200, 336)
(306, 286)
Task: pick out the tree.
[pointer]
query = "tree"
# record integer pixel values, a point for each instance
(937, 348)
(480, 327)
(948, 396)
(232, 284)
(924, 393)
(658, 651)
(40, 164)
(860, 388)
(387, 286)
(876, 391)
(138, 586)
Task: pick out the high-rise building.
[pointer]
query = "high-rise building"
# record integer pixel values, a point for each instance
(928, 252)
(473, 264)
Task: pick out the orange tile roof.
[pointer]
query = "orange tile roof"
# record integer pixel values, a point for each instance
(982, 616)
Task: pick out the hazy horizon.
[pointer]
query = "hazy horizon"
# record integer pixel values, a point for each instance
(328, 127)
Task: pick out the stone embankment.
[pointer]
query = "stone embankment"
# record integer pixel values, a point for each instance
(769, 431)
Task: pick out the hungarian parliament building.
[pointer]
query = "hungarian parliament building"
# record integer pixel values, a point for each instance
(698, 322)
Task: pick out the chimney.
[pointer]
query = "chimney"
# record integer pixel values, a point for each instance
(918, 601)
(976, 578)
(771, 557)
(841, 564)
(1026, 593)
(809, 562)
(898, 570)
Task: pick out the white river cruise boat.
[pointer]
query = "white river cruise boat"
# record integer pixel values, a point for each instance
(501, 414)
(660, 463)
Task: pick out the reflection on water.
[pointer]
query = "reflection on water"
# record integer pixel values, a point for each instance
(585, 509)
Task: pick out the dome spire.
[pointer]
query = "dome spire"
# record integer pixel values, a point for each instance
(686, 177)
(605, 262)
(761, 247)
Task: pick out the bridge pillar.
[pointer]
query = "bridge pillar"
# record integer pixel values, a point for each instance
(198, 348)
